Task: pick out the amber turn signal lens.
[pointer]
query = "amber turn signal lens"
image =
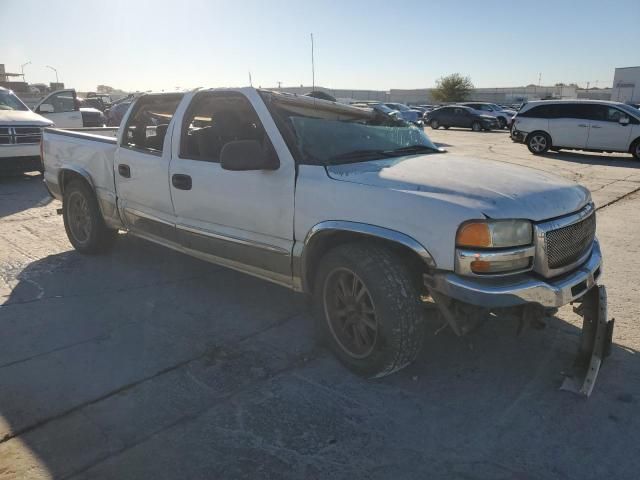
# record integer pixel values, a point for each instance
(474, 235)
(480, 266)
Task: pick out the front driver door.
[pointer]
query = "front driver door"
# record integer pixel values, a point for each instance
(62, 109)
(241, 219)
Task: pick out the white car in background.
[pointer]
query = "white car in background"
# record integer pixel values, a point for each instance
(20, 133)
(63, 108)
(593, 125)
(504, 115)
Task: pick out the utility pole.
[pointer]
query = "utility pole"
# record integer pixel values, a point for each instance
(49, 66)
(250, 82)
(313, 67)
(279, 85)
(22, 69)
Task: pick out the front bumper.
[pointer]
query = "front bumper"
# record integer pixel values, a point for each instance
(518, 136)
(520, 289)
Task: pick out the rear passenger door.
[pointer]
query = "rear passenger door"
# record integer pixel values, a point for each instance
(142, 168)
(569, 125)
(606, 131)
(241, 219)
(461, 118)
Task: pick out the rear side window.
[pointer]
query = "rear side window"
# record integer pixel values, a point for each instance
(148, 123)
(540, 111)
(215, 119)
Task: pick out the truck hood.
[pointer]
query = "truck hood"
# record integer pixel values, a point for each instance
(493, 189)
(22, 117)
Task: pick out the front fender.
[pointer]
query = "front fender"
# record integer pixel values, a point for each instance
(303, 252)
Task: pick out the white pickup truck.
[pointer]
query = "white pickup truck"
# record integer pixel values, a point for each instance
(358, 209)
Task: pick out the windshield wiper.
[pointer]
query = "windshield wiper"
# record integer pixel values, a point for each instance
(359, 155)
(413, 149)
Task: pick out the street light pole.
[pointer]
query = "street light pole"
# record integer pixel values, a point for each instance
(49, 66)
(22, 69)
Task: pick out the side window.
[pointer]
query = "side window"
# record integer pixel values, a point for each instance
(614, 115)
(589, 111)
(485, 108)
(215, 119)
(62, 102)
(147, 125)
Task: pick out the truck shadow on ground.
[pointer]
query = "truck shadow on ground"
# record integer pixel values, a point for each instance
(146, 363)
(21, 192)
(587, 158)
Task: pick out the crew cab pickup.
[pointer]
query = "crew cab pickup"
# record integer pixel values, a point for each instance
(354, 207)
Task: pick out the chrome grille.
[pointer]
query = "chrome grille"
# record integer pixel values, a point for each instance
(567, 245)
(20, 135)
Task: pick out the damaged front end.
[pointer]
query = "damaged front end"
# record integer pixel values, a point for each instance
(465, 303)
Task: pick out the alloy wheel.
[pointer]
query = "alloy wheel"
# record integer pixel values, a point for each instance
(350, 313)
(79, 217)
(538, 143)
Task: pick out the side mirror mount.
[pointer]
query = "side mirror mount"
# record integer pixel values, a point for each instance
(46, 108)
(623, 121)
(245, 155)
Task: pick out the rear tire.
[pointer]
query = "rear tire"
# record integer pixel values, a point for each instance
(538, 143)
(476, 127)
(368, 309)
(83, 220)
(434, 124)
(446, 127)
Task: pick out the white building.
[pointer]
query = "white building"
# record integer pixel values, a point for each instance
(626, 85)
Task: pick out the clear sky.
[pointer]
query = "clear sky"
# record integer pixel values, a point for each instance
(161, 44)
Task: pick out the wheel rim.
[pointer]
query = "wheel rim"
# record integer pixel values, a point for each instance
(475, 127)
(79, 217)
(538, 143)
(638, 150)
(350, 313)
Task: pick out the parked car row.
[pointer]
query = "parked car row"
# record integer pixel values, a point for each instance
(461, 116)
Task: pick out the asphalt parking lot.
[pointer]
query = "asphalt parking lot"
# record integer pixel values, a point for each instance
(149, 364)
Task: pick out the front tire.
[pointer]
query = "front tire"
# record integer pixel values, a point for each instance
(434, 124)
(635, 149)
(83, 220)
(502, 123)
(476, 127)
(368, 309)
(538, 143)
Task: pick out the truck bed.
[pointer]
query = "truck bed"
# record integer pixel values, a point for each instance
(88, 152)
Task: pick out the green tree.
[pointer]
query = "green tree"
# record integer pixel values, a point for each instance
(452, 88)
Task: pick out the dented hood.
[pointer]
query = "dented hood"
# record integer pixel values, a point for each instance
(493, 189)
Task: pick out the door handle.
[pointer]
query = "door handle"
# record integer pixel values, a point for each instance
(181, 181)
(582, 125)
(596, 126)
(124, 170)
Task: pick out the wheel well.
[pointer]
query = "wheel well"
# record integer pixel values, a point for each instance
(66, 176)
(539, 131)
(325, 241)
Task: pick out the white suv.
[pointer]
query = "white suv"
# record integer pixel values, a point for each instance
(592, 125)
